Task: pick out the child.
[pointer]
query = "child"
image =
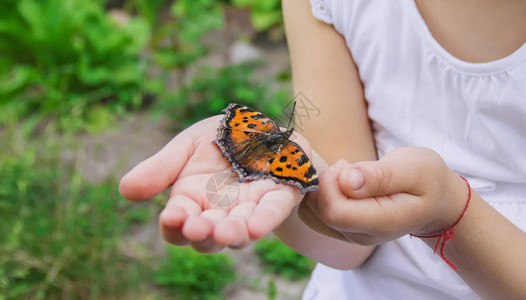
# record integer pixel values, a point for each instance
(431, 88)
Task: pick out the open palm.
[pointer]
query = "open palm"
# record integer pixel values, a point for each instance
(188, 163)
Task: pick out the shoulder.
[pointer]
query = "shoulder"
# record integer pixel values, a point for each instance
(349, 16)
(332, 12)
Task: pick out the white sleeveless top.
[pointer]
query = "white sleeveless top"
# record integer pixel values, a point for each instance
(418, 94)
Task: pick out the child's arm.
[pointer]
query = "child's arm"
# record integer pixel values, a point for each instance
(187, 163)
(323, 70)
(411, 190)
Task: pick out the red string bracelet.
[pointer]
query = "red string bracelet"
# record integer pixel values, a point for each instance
(449, 233)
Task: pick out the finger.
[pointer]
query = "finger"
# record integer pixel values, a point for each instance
(339, 212)
(158, 172)
(232, 231)
(171, 225)
(329, 178)
(199, 232)
(312, 219)
(203, 226)
(206, 246)
(197, 229)
(214, 215)
(173, 217)
(271, 211)
(389, 175)
(372, 215)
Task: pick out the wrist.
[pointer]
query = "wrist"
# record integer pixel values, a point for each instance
(448, 233)
(450, 205)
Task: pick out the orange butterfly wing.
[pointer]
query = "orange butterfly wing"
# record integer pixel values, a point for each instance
(292, 166)
(241, 124)
(257, 149)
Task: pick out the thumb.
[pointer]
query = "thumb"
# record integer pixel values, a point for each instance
(387, 176)
(157, 173)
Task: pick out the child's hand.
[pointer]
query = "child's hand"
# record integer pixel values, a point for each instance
(409, 190)
(186, 164)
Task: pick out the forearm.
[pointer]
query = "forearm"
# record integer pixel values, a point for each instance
(323, 70)
(489, 251)
(319, 247)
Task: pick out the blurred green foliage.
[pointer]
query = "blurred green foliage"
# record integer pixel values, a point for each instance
(150, 10)
(59, 57)
(77, 62)
(280, 259)
(264, 14)
(178, 43)
(211, 90)
(192, 275)
(79, 66)
(60, 235)
(272, 291)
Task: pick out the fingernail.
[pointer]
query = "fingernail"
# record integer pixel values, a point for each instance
(355, 179)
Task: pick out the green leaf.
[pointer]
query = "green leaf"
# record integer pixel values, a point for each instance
(192, 275)
(265, 20)
(98, 119)
(32, 15)
(17, 79)
(280, 259)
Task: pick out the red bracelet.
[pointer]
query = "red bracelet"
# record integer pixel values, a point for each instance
(449, 233)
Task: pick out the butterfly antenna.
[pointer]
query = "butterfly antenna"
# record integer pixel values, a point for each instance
(291, 115)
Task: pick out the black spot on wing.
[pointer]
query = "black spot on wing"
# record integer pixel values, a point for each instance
(311, 171)
(252, 126)
(259, 116)
(283, 159)
(303, 159)
(247, 109)
(304, 186)
(230, 149)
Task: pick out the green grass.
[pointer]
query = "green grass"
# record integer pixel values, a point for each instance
(65, 58)
(192, 275)
(64, 238)
(211, 90)
(280, 259)
(68, 66)
(60, 235)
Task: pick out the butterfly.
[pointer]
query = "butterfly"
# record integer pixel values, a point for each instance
(257, 148)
